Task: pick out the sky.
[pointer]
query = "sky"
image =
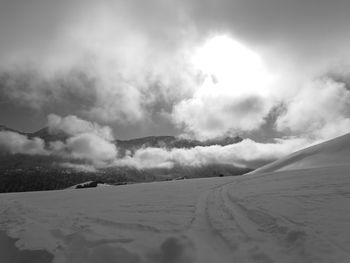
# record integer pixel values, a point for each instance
(266, 70)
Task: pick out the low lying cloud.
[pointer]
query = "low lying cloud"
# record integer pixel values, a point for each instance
(14, 143)
(72, 125)
(87, 140)
(243, 154)
(79, 167)
(90, 147)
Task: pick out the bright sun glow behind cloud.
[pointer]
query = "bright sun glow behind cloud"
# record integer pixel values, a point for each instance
(231, 68)
(235, 94)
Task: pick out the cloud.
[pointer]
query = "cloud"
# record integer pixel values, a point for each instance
(215, 116)
(286, 28)
(17, 143)
(87, 140)
(91, 147)
(79, 167)
(125, 62)
(92, 144)
(243, 154)
(108, 69)
(319, 110)
(234, 95)
(72, 125)
(129, 63)
(205, 67)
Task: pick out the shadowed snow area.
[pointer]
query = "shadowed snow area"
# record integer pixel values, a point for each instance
(297, 214)
(11, 253)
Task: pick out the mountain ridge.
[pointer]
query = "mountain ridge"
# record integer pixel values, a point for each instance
(161, 141)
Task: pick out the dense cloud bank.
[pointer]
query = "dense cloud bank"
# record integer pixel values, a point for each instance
(246, 153)
(87, 143)
(14, 142)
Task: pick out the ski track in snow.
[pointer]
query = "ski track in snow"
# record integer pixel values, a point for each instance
(290, 216)
(252, 235)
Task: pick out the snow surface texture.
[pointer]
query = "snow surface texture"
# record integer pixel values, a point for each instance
(335, 152)
(299, 212)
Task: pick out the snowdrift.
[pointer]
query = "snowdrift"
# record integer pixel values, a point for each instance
(331, 153)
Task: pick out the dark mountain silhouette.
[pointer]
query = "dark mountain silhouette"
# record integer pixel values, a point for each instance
(5, 128)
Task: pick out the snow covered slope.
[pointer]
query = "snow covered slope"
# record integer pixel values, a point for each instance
(335, 152)
(300, 215)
